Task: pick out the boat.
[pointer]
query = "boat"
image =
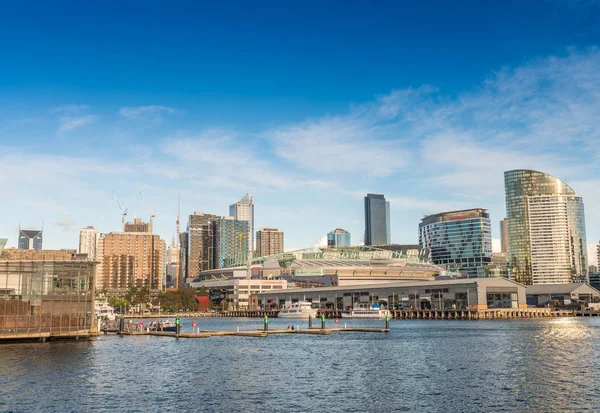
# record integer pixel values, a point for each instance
(103, 310)
(163, 325)
(301, 309)
(364, 311)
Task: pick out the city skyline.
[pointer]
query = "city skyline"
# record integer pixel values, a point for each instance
(431, 140)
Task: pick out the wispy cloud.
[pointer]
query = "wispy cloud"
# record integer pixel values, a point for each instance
(66, 224)
(135, 112)
(68, 123)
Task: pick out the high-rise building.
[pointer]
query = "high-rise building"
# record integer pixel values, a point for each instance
(172, 270)
(138, 226)
(30, 239)
(377, 220)
(504, 236)
(88, 242)
(243, 210)
(269, 241)
(546, 229)
(461, 240)
(338, 238)
(233, 242)
(132, 259)
(202, 236)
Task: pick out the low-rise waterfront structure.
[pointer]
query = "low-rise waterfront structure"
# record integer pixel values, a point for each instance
(458, 294)
(237, 293)
(564, 294)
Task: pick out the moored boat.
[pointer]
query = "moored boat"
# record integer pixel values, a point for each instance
(163, 325)
(373, 312)
(301, 309)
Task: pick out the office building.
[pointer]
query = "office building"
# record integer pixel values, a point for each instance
(88, 242)
(546, 229)
(504, 236)
(201, 251)
(377, 220)
(269, 241)
(30, 239)
(459, 240)
(138, 226)
(233, 242)
(243, 210)
(338, 238)
(132, 259)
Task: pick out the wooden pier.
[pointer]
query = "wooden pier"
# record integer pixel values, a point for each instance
(486, 314)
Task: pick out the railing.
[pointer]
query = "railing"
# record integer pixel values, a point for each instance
(52, 324)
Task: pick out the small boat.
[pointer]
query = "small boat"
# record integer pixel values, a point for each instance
(165, 325)
(373, 312)
(301, 309)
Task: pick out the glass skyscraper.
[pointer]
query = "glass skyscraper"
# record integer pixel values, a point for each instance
(233, 242)
(546, 229)
(460, 240)
(338, 238)
(377, 220)
(243, 210)
(30, 239)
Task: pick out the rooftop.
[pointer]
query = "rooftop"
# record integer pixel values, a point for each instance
(542, 289)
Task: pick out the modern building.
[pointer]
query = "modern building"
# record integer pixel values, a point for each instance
(233, 242)
(202, 233)
(237, 293)
(377, 220)
(30, 239)
(138, 226)
(459, 240)
(243, 210)
(595, 280)
(132, 259)
(172, 270)
(564, 294)
(46, 299)
(269, 241)
(504, 236)
(546, 229)
(88, 242)
(338, 238)
(497, 268)
(472, 294)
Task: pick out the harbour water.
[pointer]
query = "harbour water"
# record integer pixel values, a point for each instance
(421, 365)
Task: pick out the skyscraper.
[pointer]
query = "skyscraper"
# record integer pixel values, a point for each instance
(243, 210)
(504, 236)
(459, 239)
(88, 242)
(202, 236)
(338, 238)
(233, 242)
(546, 229)
(30, 239)
(269, 241)
(377, 220)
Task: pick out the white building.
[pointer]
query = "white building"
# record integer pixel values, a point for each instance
(239, 292)
(243, 210)
(88, 242)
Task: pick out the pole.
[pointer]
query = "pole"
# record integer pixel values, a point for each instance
(323, 321)
(266, 325)
(387, 321)
(177, 326)
(310, 321)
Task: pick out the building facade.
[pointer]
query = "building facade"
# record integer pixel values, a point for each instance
(339, 238)
(88, 242)
(269, 241)
(377, 220)
(202, 231)
(30, 239)
(504, 236)
(461, 240)
(132, 259)
(138, 226)
(233, 242)
(546, 229)
(243, 210)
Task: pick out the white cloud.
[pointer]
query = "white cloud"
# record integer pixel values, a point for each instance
(68, 123)
(66, 224)
(134, 112)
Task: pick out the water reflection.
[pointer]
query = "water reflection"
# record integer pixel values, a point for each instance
(510, 365)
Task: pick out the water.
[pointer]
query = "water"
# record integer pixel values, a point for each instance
(433, 366)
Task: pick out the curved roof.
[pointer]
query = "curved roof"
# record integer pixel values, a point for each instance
(559, 187)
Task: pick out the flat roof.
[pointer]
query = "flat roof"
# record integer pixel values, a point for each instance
(541, 289)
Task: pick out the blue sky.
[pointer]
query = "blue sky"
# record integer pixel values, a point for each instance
(312, 104)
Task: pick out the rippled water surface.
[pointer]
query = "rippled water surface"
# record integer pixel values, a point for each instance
(424, 366)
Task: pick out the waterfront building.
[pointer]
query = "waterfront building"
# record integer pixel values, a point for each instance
(14, 254)
(377, 220)
(88, 242)
(243, 210)
(595, 280)
(269, 241)
(498, 267)
(30, 239)
(460, 294)
(460, 240)
(138, 226)
(46, 299)
(132, 259)
(237, 293)
(338, 238)
(504, 236)
(565, 294)
(232, 242)
(546, 229)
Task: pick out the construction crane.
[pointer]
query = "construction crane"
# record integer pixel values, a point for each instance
(152, 214)
(123, 213)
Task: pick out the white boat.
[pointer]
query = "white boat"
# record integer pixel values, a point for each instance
(103, 310)
(301, 309)
(373, 312)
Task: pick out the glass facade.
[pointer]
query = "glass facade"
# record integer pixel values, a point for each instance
(233, 243)
(46, 298)
(460, 240)
(377, 220)
(546, 229)
(338, 238)
(30, 239)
